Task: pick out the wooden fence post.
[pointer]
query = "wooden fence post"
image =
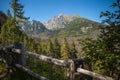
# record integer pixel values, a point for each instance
(72, 70)
(20, 56)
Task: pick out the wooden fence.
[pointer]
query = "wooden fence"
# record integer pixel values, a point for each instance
(68, 64)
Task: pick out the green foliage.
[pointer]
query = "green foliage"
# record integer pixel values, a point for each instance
(73, 51)
(111, 33)
(18, 13)
(49, 47)
(100, 58)
(47, 70)
(103, 54)
(112, 17)
(10, 33)
(43, 47)
(56, 49)
(50, 71)
(65, 54)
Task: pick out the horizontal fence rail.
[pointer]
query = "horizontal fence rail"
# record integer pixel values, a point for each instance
(49, 59)
(37, 76)
(95, 75)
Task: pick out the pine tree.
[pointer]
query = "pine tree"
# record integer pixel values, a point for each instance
(111, 32)
(43, 47)
(18, 13)
(49, 50)
(3, 36)
(103, 53)
(73, 51)
(39, 50)
(10, 33)
(56, 48)
(65, 54)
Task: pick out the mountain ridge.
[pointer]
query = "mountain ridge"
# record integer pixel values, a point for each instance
(62, 26)
(59, 21)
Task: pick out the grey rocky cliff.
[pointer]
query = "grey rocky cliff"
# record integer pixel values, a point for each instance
(59, 21)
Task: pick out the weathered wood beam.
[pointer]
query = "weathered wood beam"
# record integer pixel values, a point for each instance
(49, 59)
(72, 70)
(37, 76)
(95, 75)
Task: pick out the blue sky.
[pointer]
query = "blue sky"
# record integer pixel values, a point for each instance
(43, 10)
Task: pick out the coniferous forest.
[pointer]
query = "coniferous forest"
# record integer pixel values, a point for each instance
(101, 54)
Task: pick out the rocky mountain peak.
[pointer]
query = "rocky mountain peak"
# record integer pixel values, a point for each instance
(74, 16)
(61, 15)
(59, 21)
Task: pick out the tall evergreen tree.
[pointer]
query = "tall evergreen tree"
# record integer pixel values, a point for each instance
(10, 28)
(104, 53)
(65, 54)
(10, 33)
(18, 13)
(49, 50)
(73, 51)
(56, 48)
(39, 48)
(111, 33)
(43, 47)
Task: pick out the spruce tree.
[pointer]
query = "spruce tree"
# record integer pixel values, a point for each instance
(10, 33)
(73, 51)
(49, 50)
(65, 54)
(103, 54)
(111, 32)
(56, 48)
(11, 29)
(18, 13)
(39, 50)
(43, 46)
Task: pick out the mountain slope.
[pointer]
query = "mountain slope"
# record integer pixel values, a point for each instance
(62, 26)
(78, 27)
(33, 27)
